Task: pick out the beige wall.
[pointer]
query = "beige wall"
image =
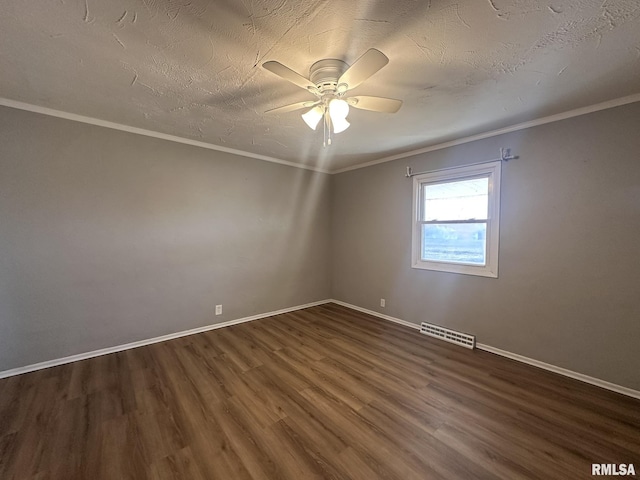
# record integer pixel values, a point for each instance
(568, 291)
(108, 237)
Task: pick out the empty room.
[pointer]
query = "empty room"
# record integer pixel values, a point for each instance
(319, 239)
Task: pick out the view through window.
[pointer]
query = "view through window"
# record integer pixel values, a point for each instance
(456, 220)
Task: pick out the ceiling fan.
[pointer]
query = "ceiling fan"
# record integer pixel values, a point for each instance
(329, 80)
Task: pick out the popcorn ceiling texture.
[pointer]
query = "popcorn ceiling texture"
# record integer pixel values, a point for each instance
(192, 68)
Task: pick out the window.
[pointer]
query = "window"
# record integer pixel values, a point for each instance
(456, 220)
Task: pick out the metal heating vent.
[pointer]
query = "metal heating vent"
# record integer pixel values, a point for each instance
(462, 339)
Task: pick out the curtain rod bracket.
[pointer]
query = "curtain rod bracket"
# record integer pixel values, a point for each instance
(505, 154)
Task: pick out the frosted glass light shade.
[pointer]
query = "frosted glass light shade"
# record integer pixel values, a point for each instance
(339, 125)
(313, 117)
(338, 109)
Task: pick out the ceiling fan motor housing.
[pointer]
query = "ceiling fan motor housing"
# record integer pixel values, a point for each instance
(325, 73)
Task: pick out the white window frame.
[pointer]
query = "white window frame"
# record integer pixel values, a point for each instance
(491, 170)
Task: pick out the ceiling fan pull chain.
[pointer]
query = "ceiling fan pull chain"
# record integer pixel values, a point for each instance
(324, 130)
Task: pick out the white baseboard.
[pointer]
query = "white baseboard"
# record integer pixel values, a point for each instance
(377, 314)
(119, 348)
(561, 371)
(514, 356)
(141, 343)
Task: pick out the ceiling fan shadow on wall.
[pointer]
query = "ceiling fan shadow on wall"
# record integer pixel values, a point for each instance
(329, 80)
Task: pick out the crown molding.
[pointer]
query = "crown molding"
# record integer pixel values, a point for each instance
(148, 133)
(618, 102)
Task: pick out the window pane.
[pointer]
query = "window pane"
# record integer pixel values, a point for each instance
(462, 243)
(461, 200)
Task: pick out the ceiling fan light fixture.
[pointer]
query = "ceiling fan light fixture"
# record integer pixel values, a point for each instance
(339, 125)
(313, 117)
(329, 80)
(338, 109)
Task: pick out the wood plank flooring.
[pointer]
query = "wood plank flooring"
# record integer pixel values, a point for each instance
(322, 393)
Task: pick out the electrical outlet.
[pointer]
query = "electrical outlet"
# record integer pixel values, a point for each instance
(382, 302)
(218, 309)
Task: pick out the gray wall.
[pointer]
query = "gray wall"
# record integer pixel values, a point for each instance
(568, 291)
(108, 237)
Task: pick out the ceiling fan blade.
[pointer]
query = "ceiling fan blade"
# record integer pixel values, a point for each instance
(368, 64)
(292, 107)
(375, 104)
(288, 74)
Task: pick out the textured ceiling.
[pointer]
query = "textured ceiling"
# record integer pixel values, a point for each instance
(192, 68)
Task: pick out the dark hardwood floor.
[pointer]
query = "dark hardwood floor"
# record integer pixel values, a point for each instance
(326, 392)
